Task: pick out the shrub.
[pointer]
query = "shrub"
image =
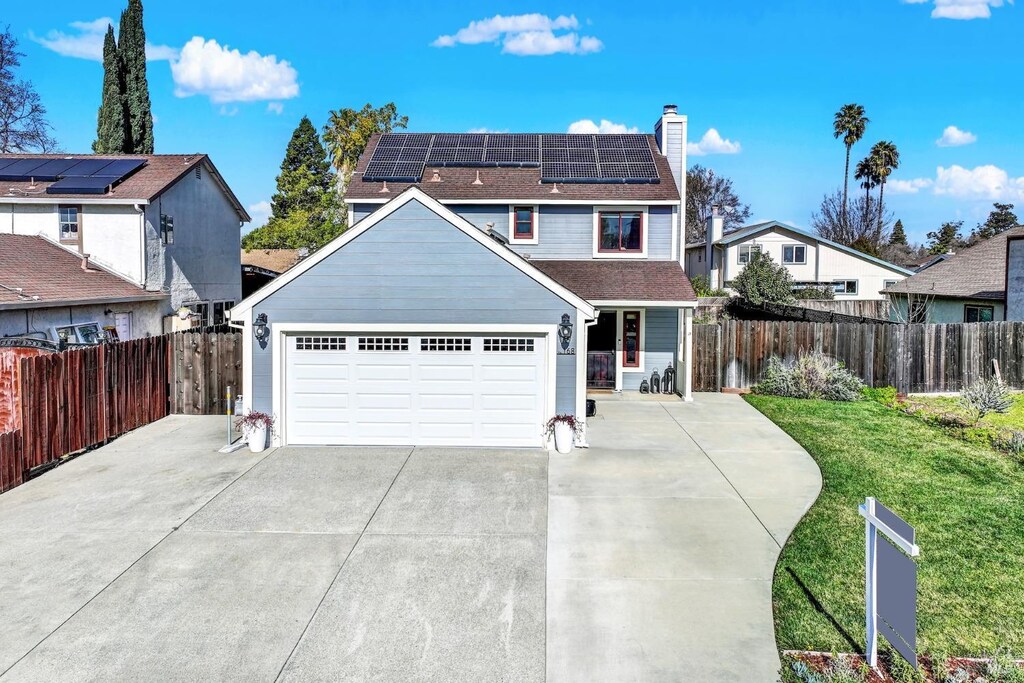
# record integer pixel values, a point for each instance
(1002, 668)
(813, 375)
(815, 293)
(986, 396)
(1012, 443)
(764, 281)
(887, 396)
(702, 286)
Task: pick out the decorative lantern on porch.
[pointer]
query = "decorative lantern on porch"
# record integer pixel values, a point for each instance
(645, 388)
(655, 382)
(668, 382)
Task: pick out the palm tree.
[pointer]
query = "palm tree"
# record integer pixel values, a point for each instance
(885, 158)
(849, 124)
(866, 173)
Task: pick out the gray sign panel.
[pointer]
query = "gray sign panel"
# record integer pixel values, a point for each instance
(897, 599)
(894, 522)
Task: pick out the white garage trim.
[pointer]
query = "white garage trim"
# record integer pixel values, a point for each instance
(280, 332)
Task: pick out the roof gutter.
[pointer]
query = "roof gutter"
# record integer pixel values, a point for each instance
(60, 303)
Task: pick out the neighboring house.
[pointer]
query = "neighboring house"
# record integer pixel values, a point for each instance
(167, 223)
(48, 291)
(1015, 278)
(969, 286)
(487, 281)
(812, 260)
(260, 266)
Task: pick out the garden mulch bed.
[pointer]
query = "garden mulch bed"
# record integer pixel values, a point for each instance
(821, 661)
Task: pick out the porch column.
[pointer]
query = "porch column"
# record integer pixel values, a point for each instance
(686, 352)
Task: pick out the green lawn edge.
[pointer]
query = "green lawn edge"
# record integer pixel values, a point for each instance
(965, 500)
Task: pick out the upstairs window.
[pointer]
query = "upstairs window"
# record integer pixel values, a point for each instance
(845, 286)
(746, 252)
(620, 231)
(68, 223)
(524, 224)
(794, 254)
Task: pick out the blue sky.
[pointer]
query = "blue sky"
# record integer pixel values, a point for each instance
(232, 79)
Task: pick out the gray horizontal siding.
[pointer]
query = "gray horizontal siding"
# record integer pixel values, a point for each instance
(659, 233)
(361, 211)
(413, 267)
(662, 329)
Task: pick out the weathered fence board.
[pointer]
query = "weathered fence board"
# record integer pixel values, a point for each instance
(912, 358)
(203, 367)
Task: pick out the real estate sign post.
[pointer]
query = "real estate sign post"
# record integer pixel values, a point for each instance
(890, 582)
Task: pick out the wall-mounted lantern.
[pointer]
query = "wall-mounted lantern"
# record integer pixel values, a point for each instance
(565, 331)
(259, 329)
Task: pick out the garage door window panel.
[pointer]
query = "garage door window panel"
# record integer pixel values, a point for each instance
(501, 345)
(446, 344)
(383, 343)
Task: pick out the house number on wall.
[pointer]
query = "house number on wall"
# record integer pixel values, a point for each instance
(568, 352)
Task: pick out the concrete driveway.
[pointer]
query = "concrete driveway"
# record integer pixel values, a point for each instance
(156, 558)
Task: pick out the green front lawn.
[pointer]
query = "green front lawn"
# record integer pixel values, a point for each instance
(965, 500)
(1014, 419)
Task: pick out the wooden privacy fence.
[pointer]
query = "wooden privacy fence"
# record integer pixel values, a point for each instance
(203, 366)
(912, 358)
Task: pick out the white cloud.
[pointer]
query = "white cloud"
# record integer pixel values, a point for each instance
(712, 143)
(962, 9)
(86, 41)
(226, 75)
(982, 182)
(275, 107)
(486, 130)
(913, 186)
(954, 137)
(606, 126)
(525, 35)
(260, 212)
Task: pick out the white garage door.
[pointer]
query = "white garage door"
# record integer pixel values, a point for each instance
(441, 390)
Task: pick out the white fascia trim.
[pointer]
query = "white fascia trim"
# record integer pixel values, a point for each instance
(412, 193)
(612, 303)
(280, 331)
(644, 233)
(52, 199)
(512, 224)
(632, 203)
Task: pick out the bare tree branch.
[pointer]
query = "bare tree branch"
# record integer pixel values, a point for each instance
(23, 125)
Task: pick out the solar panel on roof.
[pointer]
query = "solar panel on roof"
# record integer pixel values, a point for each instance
(88, 167)
(4, 163)
(21, 169)
(80, 185)
(119, 168)
(52, 169)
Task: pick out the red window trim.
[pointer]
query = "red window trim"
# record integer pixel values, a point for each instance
(515, 223)
(620, 250)
(639, 332)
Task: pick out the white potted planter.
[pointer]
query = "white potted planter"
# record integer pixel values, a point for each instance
(256, 427)
(565, 429)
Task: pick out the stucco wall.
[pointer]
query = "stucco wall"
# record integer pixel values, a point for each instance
(944, 310)
(204, 262)
(39, 322)
(412, 268)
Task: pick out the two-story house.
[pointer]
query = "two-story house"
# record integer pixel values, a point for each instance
(487, 281)
(167, 224)
(812, 260)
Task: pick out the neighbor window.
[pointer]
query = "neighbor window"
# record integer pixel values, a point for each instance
(522, 226)
(221, 309)
(889, 283)
(747, 251)
(201, 312)
(621, 231)
(631, 339)
(794, 254)
(979, 314)
(68, 223)
(845, 286)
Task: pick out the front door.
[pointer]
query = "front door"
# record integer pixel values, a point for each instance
(601, 352)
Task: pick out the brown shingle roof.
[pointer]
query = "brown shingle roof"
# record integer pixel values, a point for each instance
(978, 272)
(614, 280)
(274, 260)
(512, 183)
(160, 172)
(47, 274)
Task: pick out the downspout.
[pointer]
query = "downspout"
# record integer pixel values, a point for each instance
(142, 243)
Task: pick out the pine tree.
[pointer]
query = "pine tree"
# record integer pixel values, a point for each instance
(946, 239)
(305, 151)
(110, 121)
(1001, 219)
(899, 235)
(131, 48)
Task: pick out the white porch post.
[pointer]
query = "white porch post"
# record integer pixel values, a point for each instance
(685, 373)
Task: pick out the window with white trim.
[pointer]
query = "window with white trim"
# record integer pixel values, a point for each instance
(794, 254)
(69, 222)
(889, 283)
(523, 224)
(445, 344)
(320, 343)
(845, 286)
(745, 252)
(503, 344)
(383, 343)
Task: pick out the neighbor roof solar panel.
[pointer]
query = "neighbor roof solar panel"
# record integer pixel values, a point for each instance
(21, 169)
(52, 169)
(119, 168)
(80, 185)
(88, 166)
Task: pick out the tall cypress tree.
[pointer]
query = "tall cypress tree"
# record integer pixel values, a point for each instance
(131, 48)
(899, 235)
(305, 155)
(110, 122)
